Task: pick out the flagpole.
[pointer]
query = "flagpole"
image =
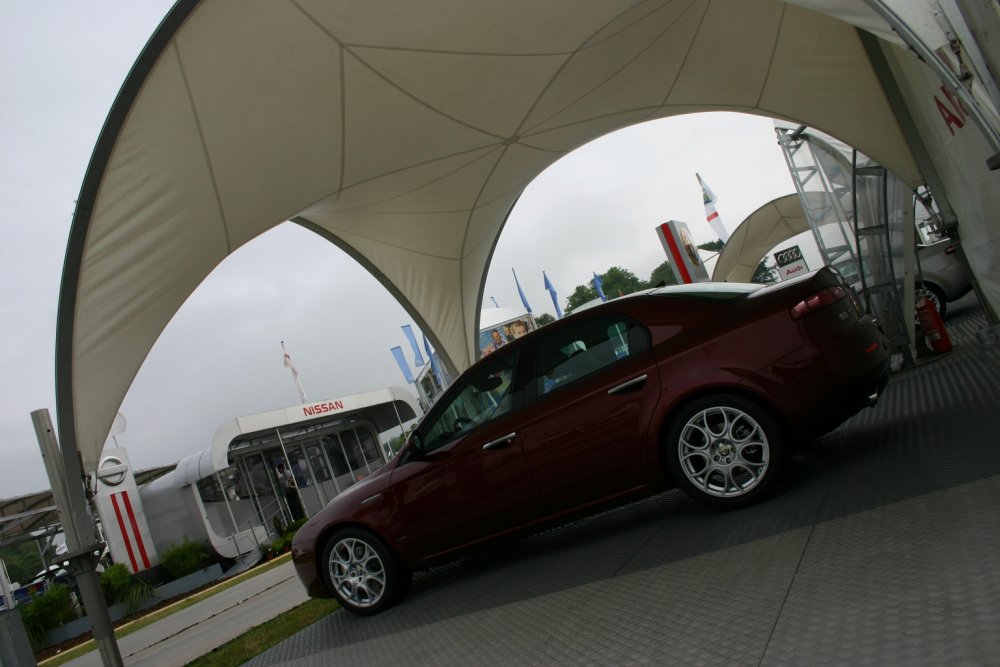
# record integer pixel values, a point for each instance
(295, 373)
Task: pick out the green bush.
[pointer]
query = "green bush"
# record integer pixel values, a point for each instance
(282, 543)
(182, 559)
(115, 583)
(138, 593)
(119, 585)
(45, 611)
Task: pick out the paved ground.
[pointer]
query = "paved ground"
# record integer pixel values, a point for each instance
(181, 637)
(883, 549)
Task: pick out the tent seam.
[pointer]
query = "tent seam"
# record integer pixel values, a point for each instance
(204, 147)
(614, 74)
(347, 49)
(770, 61)
(687, 54)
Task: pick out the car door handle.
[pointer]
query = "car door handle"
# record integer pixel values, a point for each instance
(634, 382)
(500, 442)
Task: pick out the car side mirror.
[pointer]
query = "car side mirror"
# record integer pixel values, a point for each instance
(418, 444)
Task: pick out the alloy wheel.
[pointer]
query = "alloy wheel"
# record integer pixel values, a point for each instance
(723, 451)
(357, 572)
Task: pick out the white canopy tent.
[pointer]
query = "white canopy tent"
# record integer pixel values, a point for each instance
(776, 221)
(404, 132)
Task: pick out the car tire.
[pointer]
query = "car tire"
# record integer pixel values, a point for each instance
(362, 573)
(937, 296)
(724, 451)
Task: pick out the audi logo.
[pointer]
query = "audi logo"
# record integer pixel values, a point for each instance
(788, 256)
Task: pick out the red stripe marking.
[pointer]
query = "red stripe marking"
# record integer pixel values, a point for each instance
(124, 532)
(135, 531)
(713, 216)
(675, 251)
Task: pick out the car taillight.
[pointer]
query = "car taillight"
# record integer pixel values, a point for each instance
(816, 301)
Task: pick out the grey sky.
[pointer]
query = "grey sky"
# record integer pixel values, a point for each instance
(61, 64)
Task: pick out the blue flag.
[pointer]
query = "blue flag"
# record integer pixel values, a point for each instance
(598, 285)
(435, 365)
(403, 366)
(520, 291)
(555, 297)
(418, 361)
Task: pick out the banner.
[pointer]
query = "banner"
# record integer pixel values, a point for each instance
(685, 260)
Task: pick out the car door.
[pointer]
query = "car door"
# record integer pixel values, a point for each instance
(589, 404)
(471, 480)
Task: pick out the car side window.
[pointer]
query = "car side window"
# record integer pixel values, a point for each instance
(586, 348)
(481, 397)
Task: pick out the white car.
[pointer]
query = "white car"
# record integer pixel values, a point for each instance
(944, 274)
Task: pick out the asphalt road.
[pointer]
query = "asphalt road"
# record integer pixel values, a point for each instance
(183, 636)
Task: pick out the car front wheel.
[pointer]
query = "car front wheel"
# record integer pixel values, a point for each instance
(724, 451)
(362, 573)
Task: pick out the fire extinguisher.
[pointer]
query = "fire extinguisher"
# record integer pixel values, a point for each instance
(933, 325)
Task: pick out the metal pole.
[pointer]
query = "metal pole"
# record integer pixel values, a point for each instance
(288, 462)
(913, 40)
(229, 509)
(78, 525)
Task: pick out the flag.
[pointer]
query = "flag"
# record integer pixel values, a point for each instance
(295, 372)
(598, 285)
(552, 291)
(524, 299)
(710, 213)
(403, 366)
(435, 364)
(418, 361)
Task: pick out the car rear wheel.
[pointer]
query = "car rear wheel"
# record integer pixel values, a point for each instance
(724, 451)
(362, 573)
(935, 294)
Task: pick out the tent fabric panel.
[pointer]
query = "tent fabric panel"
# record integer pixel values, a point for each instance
(158, 234)
(443, 185)
(379, 114)
(730, 32)
(631, 67)
(492, 108)
(520, 27)
(822, 77)
(774, 222)
(274, 140)
(858, 14)
(438, 234)
(515, 169)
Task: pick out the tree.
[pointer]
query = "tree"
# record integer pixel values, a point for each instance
(764, 274)
(662, 274)
(543, 319)
(23, 561)
(617, 281)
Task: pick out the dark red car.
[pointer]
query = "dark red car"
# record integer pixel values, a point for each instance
(699, 386)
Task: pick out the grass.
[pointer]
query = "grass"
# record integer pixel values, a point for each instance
(138, 624)
(258, 639)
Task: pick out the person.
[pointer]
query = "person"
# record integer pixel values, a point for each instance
(291, 492)
(518, 328)
(498, 339)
